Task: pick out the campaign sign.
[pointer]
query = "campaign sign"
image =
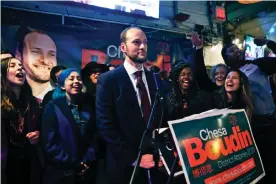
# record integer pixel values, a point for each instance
(166, 146)
(217, 147)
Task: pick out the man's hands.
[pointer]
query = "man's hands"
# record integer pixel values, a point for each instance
(33, 137)
(82, 169)
(147, 162)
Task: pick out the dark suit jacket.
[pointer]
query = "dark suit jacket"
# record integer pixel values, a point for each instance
(64, 149)
(120, 121)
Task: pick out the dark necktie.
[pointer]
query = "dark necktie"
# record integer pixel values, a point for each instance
(38, 100)
(145, 104)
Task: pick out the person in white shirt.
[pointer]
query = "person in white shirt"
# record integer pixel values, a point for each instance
(124, 98)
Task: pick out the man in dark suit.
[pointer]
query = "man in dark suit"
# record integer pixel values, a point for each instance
(124, 99)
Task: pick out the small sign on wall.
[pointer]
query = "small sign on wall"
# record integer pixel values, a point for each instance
(220, 14)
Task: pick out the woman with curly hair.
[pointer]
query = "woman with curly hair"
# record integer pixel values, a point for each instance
(19, 125)
(186, 98)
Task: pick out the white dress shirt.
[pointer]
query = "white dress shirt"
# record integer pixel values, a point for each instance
(46, 90)
(131, 73)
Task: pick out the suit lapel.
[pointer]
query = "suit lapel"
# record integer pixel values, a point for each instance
(151, 85)
(127, 89)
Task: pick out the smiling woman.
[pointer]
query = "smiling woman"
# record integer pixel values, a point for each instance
(68, 133)
(69, 84)
(15, 72)
(186, 98)
(20, 133)
(236, 93)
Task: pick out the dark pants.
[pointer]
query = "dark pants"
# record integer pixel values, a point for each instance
(264, 131)
(55, 175)
(18, 171)
(156, 177)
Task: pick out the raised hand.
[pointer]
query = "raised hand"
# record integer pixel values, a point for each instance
(260, 41)
(196, 41)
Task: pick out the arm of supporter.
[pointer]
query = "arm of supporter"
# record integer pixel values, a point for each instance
(272, 45)
(105, 114)
(51, 141)
(269, 43)
(202, 77)
(266, 64)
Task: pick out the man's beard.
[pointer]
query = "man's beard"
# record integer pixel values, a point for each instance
(38, 79)
(135, 59)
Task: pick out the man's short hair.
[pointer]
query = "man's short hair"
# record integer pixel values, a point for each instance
(124, 33)
(55, 70)
(22, 32)
(224, 49)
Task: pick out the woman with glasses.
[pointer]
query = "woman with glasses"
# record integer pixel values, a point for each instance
(19, 126)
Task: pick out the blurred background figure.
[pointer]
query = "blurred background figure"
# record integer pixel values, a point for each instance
(90, 74)
(218, 74)
(5, 54)
(111, 67)
(55, 71)
(147, 65)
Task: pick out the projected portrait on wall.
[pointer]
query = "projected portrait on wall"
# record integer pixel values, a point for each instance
(37, 51)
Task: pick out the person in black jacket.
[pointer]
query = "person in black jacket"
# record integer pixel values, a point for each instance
(68, 134)
(55, 71)
(20, 126)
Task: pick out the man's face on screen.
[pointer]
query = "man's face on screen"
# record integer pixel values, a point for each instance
(39, 56)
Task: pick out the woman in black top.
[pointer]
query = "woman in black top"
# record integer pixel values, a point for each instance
(20, 125)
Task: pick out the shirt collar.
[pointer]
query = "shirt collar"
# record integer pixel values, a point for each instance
(70, 104)
(46, 90)
(131, 69)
